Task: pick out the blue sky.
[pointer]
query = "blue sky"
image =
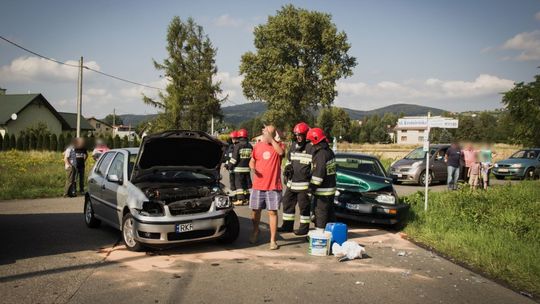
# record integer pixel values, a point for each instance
(456, 55)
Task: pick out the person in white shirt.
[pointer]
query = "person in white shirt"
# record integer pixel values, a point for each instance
(70, 165)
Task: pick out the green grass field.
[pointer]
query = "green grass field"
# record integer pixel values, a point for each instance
(32, 174)
(496, 231)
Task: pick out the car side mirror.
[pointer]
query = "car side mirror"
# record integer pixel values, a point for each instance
(113, 178)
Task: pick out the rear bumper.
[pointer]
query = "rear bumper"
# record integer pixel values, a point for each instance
(405, 176)
(165, 232)
(373, 213)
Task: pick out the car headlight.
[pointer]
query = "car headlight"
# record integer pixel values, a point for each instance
(393, 163)
(385, 199)
(496, 165)
(516, 165)
(222, 202)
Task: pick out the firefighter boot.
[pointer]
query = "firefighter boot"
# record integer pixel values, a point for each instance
(286, 227)
(302, 230)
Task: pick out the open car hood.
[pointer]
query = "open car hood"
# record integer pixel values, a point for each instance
(358, 182)
(180, 149)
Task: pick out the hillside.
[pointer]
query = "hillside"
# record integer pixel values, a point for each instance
(239, 113)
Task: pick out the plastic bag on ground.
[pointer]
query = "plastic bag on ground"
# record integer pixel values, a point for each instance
(349, 249)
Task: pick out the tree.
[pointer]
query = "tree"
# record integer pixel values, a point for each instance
(325, 121)
(113, 119)
(13, 141)
(61, 143)
(299, 55)
(1, 142)
(54, 143)
(25, 142)
(192, 95)
(20, 143)
(110, 142)
(46, 142)
(31, 142)
(523, 104)
(125, 142)
(5, 142)
(117, 142)
(39, 143)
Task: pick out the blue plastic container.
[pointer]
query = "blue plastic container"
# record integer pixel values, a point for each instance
(339, 232)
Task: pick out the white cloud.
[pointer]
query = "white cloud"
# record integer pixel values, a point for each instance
(41, 70)
(429, 89)
(527, 42)
(227, 21)
(231, 86)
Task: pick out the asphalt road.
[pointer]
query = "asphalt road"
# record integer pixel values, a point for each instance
(47, 255)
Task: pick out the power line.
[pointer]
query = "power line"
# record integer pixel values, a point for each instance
(76, 66)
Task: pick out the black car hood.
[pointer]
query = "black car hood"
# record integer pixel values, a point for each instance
(180, 149)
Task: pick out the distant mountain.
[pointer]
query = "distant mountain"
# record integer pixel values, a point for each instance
(240, 113)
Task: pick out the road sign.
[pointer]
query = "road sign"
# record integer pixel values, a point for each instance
(416, 122)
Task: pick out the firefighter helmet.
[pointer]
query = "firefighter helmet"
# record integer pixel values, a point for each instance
(234, 134)
(242, 133)
(315, 135)
(301, 128)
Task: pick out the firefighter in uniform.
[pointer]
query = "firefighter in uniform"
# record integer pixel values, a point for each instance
(228, 156)
(239, 163)
(297, 176)
(323, 178)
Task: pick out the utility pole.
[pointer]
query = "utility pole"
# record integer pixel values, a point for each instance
(428, 156)
(114, 117)
(212, 126)
(79, 97)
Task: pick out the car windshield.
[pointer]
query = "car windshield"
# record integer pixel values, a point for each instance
(529, 154)
(419, 153)
(368, 166)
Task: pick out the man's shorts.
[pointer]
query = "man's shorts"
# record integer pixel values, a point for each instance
(270, 199)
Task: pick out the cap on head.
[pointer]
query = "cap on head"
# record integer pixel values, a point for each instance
(315, 135)
(301, 128)
(242, 133)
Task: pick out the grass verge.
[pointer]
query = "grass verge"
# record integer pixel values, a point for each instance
(32, 174)
(495, 231)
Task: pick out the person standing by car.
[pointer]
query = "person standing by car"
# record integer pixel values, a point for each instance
(228, 156)
(474, 174)
(81, 154)
(297, 174)
(323, 178)
(239, 163)
(486, 158)
(470, 158)
(99, 149)
(70, 165)
(453, 161)
(266, 193)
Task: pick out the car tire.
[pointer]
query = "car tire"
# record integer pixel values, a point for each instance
(529, 174)
(421, 179)
(232, 229)
(499, 177)
(89, 219)
(128, 234)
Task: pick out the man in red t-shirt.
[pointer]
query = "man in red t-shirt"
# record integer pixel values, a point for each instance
(266, 191)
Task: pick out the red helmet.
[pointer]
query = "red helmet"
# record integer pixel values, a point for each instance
(234, 134)
(315, 135)
(301, 128)
(242, 133)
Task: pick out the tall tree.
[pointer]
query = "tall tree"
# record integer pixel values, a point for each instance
(113, 120)
(192, 95)
(299, 55)
(523, 104)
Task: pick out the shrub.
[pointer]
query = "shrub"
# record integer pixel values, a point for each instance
(53, 145)
(61, 143)
(5, 142)
(1, 142)
(125, 142)
(25, 144)
(110, 142)
(116, 142)
(20, 142)
(46, 142)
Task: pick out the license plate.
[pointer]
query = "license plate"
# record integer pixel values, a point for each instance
(400, 175)
(503, 170)
(352, 206)
(184, 227)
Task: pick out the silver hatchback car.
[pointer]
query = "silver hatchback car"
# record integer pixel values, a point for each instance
(166, 192)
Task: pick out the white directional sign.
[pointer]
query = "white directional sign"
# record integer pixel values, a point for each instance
(422, 122)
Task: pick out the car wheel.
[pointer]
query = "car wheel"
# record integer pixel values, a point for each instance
(128, 233)
(422, 179)
(529, 174)
(232, 229)
(90, 220)
(499, 177)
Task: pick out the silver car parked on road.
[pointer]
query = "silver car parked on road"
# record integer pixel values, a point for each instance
(412, 168)
(167, 192)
